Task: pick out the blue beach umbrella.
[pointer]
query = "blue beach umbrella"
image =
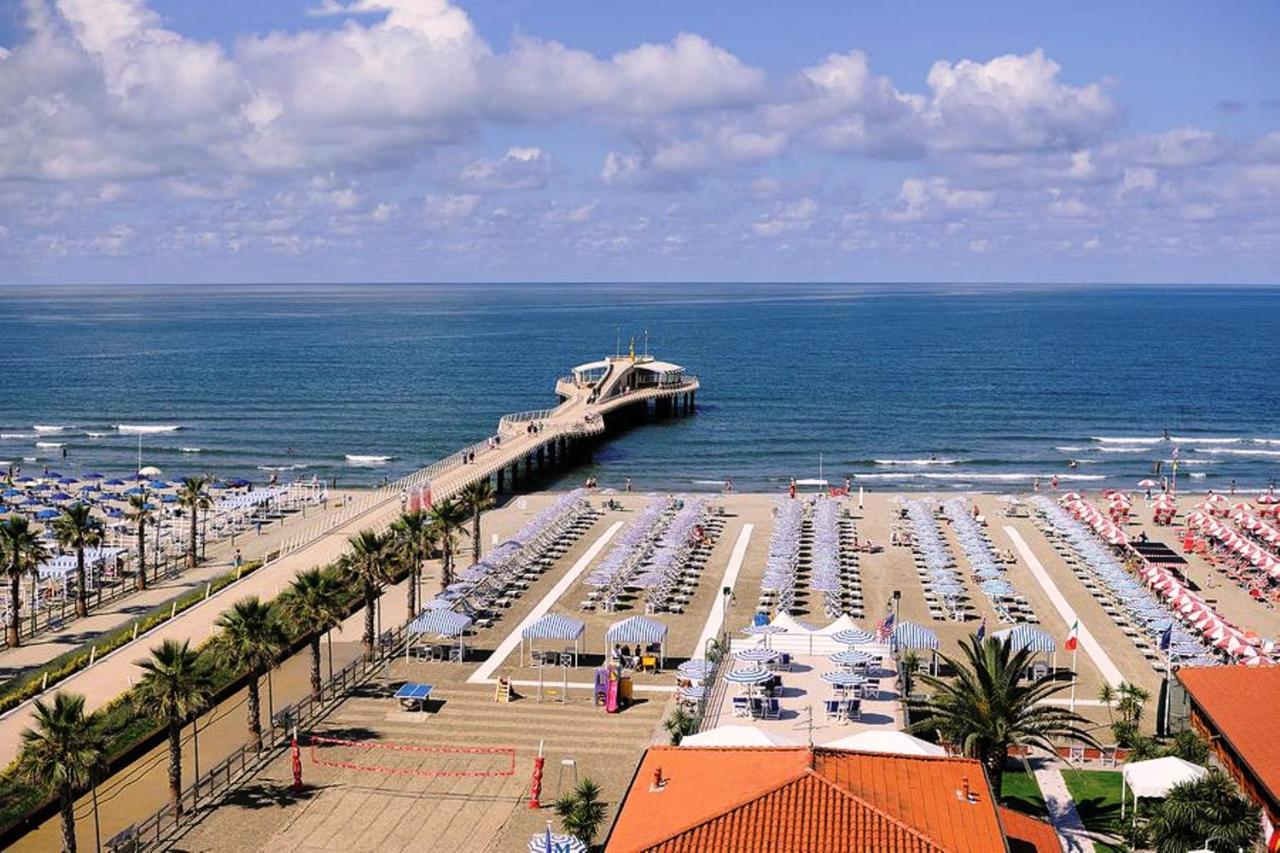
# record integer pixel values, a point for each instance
(753, 675)
(696, 668)
(114, 482)
(851, 658)
(53, 475)
(115, 513)
(157, 484)
(59, 496)
(757, 655)
(170, 499)
(842, 679)
(45, 514)
(13, 493)
(93, 475)
(25, 479)
(67, 481)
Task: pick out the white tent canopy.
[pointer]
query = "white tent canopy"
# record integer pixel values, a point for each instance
(878, 740)
(791, 624)
(1155, 778)
(841, 624)
(735, 736)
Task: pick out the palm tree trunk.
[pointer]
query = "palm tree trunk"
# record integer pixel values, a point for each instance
(141, 582)
(255, 713)
(315, 667)
(13, 632)
(82, 595)
(67, 809)
(191, 555)
(369, 599)
(994, 761)
(412, 592)
(175, 766)
(475, 533)
(446, 562)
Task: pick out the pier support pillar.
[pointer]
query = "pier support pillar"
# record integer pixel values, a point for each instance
(500, 479)
(542, 457)
(551, 451)
(528, 467)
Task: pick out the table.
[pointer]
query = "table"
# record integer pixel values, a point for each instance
(414, 696)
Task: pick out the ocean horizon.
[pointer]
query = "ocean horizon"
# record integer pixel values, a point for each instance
(932, 387)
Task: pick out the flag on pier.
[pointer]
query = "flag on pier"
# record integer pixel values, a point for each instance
(1073, 638)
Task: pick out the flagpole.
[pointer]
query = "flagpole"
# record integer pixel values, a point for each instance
(1074, 652)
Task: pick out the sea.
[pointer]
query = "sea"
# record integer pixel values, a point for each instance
(897, 387)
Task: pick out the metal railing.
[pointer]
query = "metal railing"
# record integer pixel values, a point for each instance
(155, 831)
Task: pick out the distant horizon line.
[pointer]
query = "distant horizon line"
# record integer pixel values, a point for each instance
(11, 285)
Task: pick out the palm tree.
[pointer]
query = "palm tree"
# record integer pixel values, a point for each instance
(581, 811)
(986, 708)
(1107, 696)
(1209, 807)
(1131, 702)
(77, 528)
(414, 537)
(367, 565)
(447, 516)
(476, 498)
(193, 497)
(140, 512)
(679, 725)
(64, 750)
(22, 550)
(175, 686)
(252, 640)
(313, 605)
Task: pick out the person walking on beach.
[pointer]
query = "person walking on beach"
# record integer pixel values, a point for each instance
(1035, 484)
(627, 485)
(1233, 487)
(791, 489)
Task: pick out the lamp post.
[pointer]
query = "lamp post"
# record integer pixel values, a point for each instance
(727, 594)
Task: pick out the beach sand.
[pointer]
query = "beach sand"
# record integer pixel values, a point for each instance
(360, 809)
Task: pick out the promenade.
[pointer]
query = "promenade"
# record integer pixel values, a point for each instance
(532, 438)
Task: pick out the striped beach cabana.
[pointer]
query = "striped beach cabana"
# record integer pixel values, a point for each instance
(553, 626)
(1023, 636)
(637, 629)
(908, 636)
(438, 623)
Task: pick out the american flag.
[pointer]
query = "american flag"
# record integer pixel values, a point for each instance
(884, 628)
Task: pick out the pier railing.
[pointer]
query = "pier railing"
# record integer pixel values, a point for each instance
(155, 832)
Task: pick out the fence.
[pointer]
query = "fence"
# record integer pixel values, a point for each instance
(155, 831)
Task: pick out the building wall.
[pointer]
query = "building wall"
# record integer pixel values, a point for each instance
(1235, 768)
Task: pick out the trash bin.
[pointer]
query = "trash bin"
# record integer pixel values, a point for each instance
(624, 691)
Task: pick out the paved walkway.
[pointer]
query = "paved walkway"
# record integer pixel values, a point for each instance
(716, 617)
(47, 645)
(1091, 646)
(1062, 808)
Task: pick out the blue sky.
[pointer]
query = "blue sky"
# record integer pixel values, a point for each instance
(375, 140)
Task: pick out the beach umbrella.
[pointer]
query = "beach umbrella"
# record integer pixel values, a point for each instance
(753, 675)
(46, 514)
(696, 692)
(60, 496)
(549, 842)
(851, 657)
(149, 471)
(853, 636)
(756, 655)
(157, 484)
(1147, 484)
(93, 475)
(67, 481)
(840, 678)
(114, 482)
(696, 668)
(763, 630)
(13, 493)
(997, 587)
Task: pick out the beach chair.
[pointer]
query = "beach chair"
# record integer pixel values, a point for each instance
(772, 709)
(831, 708)
(741, 706)
(853, 709)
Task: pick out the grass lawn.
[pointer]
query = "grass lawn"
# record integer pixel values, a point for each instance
(1097, 796)
(1019, 791)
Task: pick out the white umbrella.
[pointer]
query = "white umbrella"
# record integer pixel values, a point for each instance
(150, 471)
(1156, 777)
(878, 740)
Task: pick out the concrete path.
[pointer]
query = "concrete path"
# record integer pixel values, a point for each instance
(1091, 646)
(716, 617)
(1062, 808)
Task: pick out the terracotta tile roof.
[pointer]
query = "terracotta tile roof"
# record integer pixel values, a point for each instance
(1241, 702)
(797, 799)
(1027, 834)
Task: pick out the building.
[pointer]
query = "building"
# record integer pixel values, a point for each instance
(1237, 710)
(803, 799)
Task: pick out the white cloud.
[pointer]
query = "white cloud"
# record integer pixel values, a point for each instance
(796, 216)
(980, 247)
(521, 168)
(442, 209)
(935, 198)
(581, 213)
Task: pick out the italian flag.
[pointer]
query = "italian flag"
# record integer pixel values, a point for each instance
(1073, 638)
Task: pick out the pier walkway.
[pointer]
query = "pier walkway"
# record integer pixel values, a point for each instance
(594, 397)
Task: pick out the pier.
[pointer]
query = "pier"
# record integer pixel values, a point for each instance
(594, 399)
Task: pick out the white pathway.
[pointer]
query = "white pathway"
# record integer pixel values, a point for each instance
(716, 617)
(1087, 642)
(1062, 809)
(484, 673)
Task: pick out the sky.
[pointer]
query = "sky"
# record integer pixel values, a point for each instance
(153, 141)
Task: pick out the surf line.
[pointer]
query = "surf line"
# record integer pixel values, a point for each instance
(484, 673)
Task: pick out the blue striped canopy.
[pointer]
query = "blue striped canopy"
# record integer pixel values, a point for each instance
(753, 675)
(853, 636)
(554, 626)
(1028, 637)
(446, 623)
(696, 668)
(909, 635)
(843, 679)
(547, 842)
(637, 629)
(756, 655)
(850, 658)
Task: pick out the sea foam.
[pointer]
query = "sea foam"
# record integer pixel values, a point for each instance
(359, 459)
(142, 429)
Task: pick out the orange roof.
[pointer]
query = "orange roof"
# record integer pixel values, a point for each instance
(1241, 702)
(801, 799)
(1027, 834)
